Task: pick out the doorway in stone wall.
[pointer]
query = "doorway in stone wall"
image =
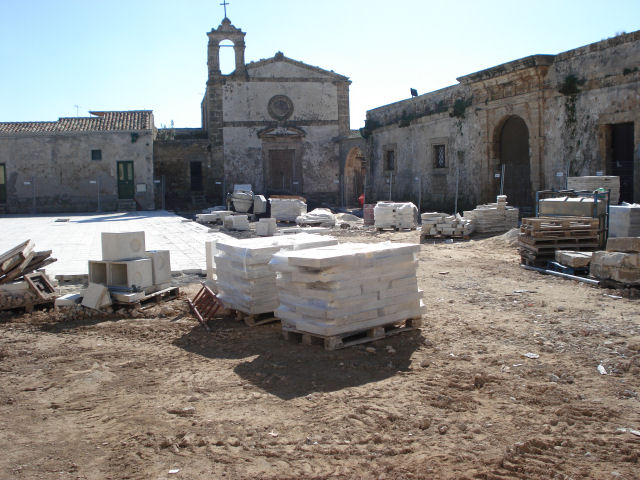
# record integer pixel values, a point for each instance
(354, 174)
(3, 184)
(514, 155)
(620, 159)
(283, 172)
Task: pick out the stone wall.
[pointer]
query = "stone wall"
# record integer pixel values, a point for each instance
(60, 166)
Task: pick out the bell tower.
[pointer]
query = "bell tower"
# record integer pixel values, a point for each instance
(226, 31)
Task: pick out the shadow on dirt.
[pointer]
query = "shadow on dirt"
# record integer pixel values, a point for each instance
(289, 370)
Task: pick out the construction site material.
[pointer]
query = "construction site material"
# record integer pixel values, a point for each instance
(69, 300)
(213, 217)
(21, 260)
(617, 266)
(287, 209)
(242, 200)
(122, 245)
(134, 273)
(211, 251)
(244, 280)
(436, 225)
(205, 305)
(318, 217)
(347, 288)
(540, 237)
(368, 216)
(35, 289)
(236, 222)
(395, 215)
(572, 206)
(624, 244)
(592, 183)
(259, 204)
(573, 259)
(624, 220)
(545, 271)
(493, 217)
(161, 265)
(96, 297)
(266, 227)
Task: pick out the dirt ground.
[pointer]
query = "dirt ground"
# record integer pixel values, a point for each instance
(152, 395)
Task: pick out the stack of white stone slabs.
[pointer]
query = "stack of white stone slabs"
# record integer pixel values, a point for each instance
(591, 183)
(245, 282)
(395, 215)
(287, 209)
(493, 217)
(441, 224)
(211, 251)
(347, 288)
(624, 220)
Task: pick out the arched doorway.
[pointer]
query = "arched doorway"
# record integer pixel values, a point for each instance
(514, 155)
(354, 173)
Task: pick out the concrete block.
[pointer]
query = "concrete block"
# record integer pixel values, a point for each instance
(573, 259)
(122, 245)
(623, 244)
(96, 297)
(98, 272)
(127, 273)
(68, 300)
(266, 227)
(259, 204)
(161, 265)
(123, 297)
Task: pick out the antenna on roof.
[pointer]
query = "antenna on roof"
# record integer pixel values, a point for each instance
(77, 110)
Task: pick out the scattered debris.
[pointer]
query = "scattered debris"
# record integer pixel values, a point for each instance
(531, 355)
(602, 370)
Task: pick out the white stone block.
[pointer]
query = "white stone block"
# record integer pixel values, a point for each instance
(69, 300)
(96, 297)
(161, 265)
(122, 245)
(129, 273)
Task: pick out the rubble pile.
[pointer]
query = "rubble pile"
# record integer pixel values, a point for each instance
(321, 217)
(347, 287)
(245, 282)
(395, 215)
(435, 224)
(493, 217)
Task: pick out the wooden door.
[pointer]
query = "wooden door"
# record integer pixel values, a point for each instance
(621, 160)
(126, 186)
(281, 173)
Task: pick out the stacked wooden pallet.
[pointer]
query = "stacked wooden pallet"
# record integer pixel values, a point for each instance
(333, 293)
(22, 259)
(540, 237)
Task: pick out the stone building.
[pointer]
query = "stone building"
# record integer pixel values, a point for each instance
(275, 124)
(102, 162)
(542, 117)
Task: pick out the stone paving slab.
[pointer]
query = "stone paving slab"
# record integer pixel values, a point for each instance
(78, 240)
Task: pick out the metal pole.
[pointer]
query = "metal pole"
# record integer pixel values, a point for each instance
(390, 183)
(455, 207)
(33, 189)
(99, 188)
(419, 194)
(162, 184)
(502, 179)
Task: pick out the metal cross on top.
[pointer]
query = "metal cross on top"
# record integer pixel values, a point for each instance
(224, 4)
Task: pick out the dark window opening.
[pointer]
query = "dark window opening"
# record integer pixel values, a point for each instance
(439, 156)
(389, 160)
(196, 176)
(96, 154)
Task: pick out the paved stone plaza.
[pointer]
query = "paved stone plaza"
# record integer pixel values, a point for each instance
(77, 240)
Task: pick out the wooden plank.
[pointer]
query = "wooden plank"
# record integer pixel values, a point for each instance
(17, 258)
(14, 251)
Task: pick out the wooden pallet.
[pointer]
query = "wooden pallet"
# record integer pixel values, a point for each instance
(561, 223)
(255, 319)
(348, 339)
(550, 248)
(444, 237)
(151, 300)
(394, 229)
(558, 242)
(564, 233)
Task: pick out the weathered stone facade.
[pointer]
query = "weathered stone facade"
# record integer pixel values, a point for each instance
(542, 117)
(275, 124)
(61, 166)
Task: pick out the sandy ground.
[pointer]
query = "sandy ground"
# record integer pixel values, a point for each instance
(157, 397)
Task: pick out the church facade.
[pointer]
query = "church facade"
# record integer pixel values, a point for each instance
(275, 124)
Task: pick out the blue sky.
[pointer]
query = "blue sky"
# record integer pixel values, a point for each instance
(143, 54)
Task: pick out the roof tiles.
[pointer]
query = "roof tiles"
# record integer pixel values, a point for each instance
(98, 122)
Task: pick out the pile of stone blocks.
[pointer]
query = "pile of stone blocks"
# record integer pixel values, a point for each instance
(493, 217)
(572, 206)
(287, 209)
(127, 271)
(619, 263)
(244, 280)
(347, 287)
(573, 259)
(236, 222)
(266, 227)
(592, 183)
(211, 251)
(624, 220)
(435, 224)
(395, 215)
(214, 216)
(318, 217)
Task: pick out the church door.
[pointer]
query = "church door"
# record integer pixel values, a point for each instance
(283, 176)
(125, 181)
(514, 155)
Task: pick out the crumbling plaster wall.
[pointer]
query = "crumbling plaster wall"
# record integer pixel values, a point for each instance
(601, 85)
(61, 167)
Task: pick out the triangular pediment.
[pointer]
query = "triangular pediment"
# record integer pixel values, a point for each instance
(281, 66)
(281, 132)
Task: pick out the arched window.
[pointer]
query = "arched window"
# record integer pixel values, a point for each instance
(227, 57)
